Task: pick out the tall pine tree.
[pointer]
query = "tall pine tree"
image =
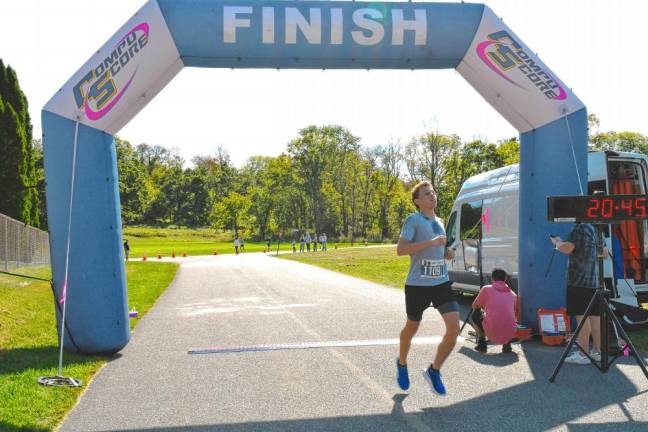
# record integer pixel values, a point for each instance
(19, 198)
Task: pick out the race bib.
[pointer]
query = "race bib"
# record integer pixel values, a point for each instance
(432, 268)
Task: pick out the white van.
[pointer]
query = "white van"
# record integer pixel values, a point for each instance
(495, 195)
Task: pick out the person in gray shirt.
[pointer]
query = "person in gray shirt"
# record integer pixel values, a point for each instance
(423, 239)
(582, 280)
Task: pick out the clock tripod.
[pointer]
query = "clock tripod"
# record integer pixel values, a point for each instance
(600, 296)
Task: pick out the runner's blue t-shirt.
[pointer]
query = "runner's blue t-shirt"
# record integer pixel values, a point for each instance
(428, 266)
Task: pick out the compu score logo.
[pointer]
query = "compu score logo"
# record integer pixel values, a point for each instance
(98, 85)
(502, 54)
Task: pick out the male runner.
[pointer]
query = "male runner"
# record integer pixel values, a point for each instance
(423, 239)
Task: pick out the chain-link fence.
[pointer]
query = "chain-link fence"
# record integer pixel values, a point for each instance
(22, 245)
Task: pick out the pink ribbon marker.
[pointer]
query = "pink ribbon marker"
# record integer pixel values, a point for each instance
(63, 293)
(485, 218)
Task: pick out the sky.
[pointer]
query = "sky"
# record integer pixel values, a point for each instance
(596, 47)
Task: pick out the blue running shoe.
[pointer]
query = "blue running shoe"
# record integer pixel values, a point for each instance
(401, 375)
(433, 377)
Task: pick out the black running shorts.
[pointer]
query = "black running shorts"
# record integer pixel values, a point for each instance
(577, 300)
(419, 298)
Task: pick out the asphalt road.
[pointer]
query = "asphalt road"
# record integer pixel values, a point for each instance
(254, 299)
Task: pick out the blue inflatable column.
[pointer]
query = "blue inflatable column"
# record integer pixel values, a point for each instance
(550, 158)
(96, 311)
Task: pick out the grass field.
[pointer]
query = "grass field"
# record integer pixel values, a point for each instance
(377, 264)
(28, 339)
(163, 241)
(383, 266)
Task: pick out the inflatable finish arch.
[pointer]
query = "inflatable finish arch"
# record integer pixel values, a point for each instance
(166, 35)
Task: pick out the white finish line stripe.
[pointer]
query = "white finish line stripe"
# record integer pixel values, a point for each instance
(433, 340)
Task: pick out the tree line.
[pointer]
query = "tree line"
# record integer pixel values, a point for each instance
(325, 181)
(20, 161)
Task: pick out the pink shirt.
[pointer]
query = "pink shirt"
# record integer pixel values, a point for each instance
(499, 303)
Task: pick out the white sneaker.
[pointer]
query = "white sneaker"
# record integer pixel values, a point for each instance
(596, 356)
(577, 358)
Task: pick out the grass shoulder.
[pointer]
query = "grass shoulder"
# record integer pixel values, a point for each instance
(377, 264)
(28, 338)
(151, 242)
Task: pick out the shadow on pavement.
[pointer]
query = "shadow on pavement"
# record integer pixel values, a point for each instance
(494, 357)
(514, 409)
(532, 406)
(579, 390)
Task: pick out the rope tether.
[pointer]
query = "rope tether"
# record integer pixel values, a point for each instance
(59, 379)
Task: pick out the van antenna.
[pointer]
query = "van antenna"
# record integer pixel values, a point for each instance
(505, 177)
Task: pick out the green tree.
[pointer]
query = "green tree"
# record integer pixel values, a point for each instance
(230, 212)
(39, 165)
(620, 141)
(616, 141)
(509, 151)
(470, 159)
(369, 180)
(221, 174)
(339, 181)
(168, 198)
(425, 156)
(401, 207)
(157, 155)
(390, 157)
(136, 190)
(166, 172)
(252, 181)
(312, 154)
(593, 123)
(355, 180)
(19, 196)
(195, 198)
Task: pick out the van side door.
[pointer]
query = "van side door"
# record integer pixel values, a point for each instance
(451, 234)
(470, 235)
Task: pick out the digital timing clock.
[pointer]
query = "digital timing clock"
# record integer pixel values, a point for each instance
(597, 208)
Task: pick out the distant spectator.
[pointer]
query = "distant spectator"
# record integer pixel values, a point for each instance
(302, 243)
(236, 245)
(323, 240)
(242, 244)
(315, 242)
(126, 249)
(308, 239)
(268, 241)
(294, 246)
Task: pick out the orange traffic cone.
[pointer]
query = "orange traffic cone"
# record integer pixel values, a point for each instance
(184, 254)
(159, 256)
(215, 253)
(172, 254)
(144, 258)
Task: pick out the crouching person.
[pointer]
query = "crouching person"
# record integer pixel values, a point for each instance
(494, 314)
